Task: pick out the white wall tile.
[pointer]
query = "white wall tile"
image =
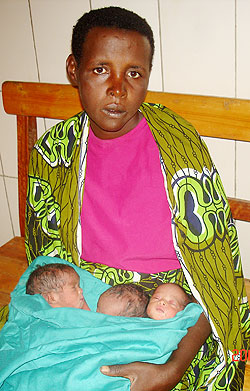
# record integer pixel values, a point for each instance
(8, 145)
(198, 46)
(149, 11)
(242, 46)
(51, 122)
(242, 166)
(41, 127)
(53, 21)
(45, 124)
(12, 194)
(6, 231)
(243, 229)
(16, 43)
(223, 151)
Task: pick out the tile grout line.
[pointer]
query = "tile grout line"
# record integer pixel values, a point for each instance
(35, 50)
(8, 176)
(6, 195)
(34, 43)
(159, 21)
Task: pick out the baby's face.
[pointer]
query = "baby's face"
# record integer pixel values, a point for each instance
(166, 302)
(71, 294)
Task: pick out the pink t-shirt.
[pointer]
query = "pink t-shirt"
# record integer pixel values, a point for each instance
(126, 220)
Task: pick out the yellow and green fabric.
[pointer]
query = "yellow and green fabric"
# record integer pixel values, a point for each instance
(204, 233)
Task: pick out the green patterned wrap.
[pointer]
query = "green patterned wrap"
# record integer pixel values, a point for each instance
(204, 233)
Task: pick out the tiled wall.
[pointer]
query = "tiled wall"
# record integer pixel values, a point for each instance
(202, 47)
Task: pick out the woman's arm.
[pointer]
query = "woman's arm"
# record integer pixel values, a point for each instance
(163, 377)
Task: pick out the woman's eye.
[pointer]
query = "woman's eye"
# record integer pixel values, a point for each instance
(99, 71)
(134, 74)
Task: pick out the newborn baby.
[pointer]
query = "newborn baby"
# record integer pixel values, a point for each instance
(130, 300)
(167, 300)
(58, 284)
(123, 300)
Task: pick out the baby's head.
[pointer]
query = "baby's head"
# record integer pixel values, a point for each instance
(167, 301)
(58, 283)
(123, 300)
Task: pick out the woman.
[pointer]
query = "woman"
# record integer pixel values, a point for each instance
(129, 192)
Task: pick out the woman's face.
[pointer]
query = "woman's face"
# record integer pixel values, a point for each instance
(112, 79)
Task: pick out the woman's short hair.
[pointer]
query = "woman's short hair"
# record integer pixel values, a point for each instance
(110, 17)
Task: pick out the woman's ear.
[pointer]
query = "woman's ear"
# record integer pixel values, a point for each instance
(71, 67)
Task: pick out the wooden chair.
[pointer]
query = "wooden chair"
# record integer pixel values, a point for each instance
(214, 117)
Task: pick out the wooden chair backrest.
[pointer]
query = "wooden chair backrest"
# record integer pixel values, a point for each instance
(214, 117)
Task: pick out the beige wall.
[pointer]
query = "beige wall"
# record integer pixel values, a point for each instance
(202, 47)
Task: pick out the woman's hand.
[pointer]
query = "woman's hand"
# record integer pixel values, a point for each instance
(145, 376)
(164, 377)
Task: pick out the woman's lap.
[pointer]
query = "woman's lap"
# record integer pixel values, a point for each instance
(207, 359)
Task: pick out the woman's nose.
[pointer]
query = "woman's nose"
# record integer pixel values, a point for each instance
(117, 87)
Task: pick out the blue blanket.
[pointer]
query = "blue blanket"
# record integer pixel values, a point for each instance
(45, 348)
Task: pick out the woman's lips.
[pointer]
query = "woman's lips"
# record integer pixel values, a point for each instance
(113, 111)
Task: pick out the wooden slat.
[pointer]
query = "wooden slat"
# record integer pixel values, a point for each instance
(59, 101)
(13, 263)
(240, 209)
(26, 138)
(14, 248)
(247, 377)
(247, 285)
(212, 116)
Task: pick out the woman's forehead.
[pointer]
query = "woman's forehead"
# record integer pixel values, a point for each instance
(104, 42)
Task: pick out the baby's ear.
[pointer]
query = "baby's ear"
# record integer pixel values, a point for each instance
(52, 298)
(71, 68)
